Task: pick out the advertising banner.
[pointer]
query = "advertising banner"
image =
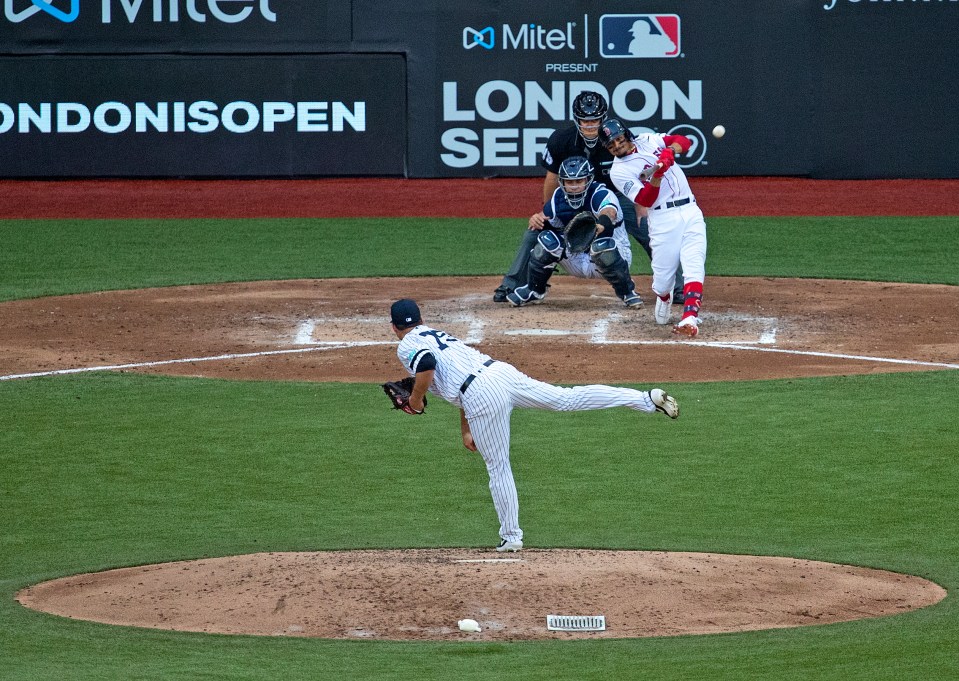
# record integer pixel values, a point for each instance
(147, 26)
(887, 88)
(504, 76)
(202, 116)
(821, 88)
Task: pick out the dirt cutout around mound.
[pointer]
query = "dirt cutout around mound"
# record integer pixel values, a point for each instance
(421, 594)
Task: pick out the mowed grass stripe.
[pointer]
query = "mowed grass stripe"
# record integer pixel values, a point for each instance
(52, 257)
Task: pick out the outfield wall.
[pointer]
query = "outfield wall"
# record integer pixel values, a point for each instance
(280, 88)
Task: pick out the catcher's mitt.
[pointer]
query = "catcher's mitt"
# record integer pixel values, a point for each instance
(580, 232)
(399, 393)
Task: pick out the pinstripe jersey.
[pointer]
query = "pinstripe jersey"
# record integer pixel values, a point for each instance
(489, 399)
(455, 360)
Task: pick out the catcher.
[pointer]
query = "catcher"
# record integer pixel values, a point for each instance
(583, 233)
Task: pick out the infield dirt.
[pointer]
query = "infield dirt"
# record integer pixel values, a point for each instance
(338, 330)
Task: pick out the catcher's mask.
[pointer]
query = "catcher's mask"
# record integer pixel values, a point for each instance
(575, 177)
(612, 130)
(589, 109)
(405, 314)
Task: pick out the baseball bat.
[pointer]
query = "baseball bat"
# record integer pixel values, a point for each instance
(648, 173)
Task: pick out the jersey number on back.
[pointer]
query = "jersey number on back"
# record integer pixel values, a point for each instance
(439, 336)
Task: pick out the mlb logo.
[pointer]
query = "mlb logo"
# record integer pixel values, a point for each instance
(639, 36)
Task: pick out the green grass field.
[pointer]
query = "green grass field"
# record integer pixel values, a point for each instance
(53, 257)
(108, 470)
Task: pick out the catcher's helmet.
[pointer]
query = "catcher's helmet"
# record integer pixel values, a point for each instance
(611, 129)
(589, 106)
(575, 168)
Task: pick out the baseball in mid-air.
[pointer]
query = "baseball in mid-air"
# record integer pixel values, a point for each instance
(719, 131)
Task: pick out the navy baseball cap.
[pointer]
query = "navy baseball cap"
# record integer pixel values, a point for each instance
(405, 313)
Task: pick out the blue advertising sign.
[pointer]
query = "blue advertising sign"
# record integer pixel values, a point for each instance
(203, 116)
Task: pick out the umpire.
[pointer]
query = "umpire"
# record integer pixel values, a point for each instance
(589, 112)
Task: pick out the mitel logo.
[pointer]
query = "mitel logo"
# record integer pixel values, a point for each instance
(485, 38)
(42, 6)
(638, 36)
(522, 37)
(225, 11)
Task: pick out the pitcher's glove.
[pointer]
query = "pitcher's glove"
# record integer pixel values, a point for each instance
(580, 232)
(399, 393)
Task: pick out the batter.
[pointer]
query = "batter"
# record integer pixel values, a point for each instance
(486, 391)
(644, 171)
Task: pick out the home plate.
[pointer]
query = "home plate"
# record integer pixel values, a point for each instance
(541, 332)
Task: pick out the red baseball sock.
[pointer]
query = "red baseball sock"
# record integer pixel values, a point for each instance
(693, 291)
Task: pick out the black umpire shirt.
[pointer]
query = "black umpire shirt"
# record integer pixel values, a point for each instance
(567, 142)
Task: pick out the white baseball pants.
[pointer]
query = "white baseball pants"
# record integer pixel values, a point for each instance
(488, 403)
(677, 236)
(580, 265)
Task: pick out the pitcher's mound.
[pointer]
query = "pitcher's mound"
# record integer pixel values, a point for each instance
(422, 593)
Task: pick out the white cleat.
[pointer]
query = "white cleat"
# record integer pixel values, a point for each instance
(511, 546)
(664, 403)
(687, 327)
(663, 309)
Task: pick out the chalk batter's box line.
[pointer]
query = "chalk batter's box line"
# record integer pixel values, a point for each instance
(335, 346)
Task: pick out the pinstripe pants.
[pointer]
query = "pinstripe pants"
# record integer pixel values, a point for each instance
(488, 403)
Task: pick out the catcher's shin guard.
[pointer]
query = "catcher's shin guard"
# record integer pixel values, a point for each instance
(542, 260)
(612, 266)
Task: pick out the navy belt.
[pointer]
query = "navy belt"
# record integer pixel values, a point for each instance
(469, 379)
(674, 204)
